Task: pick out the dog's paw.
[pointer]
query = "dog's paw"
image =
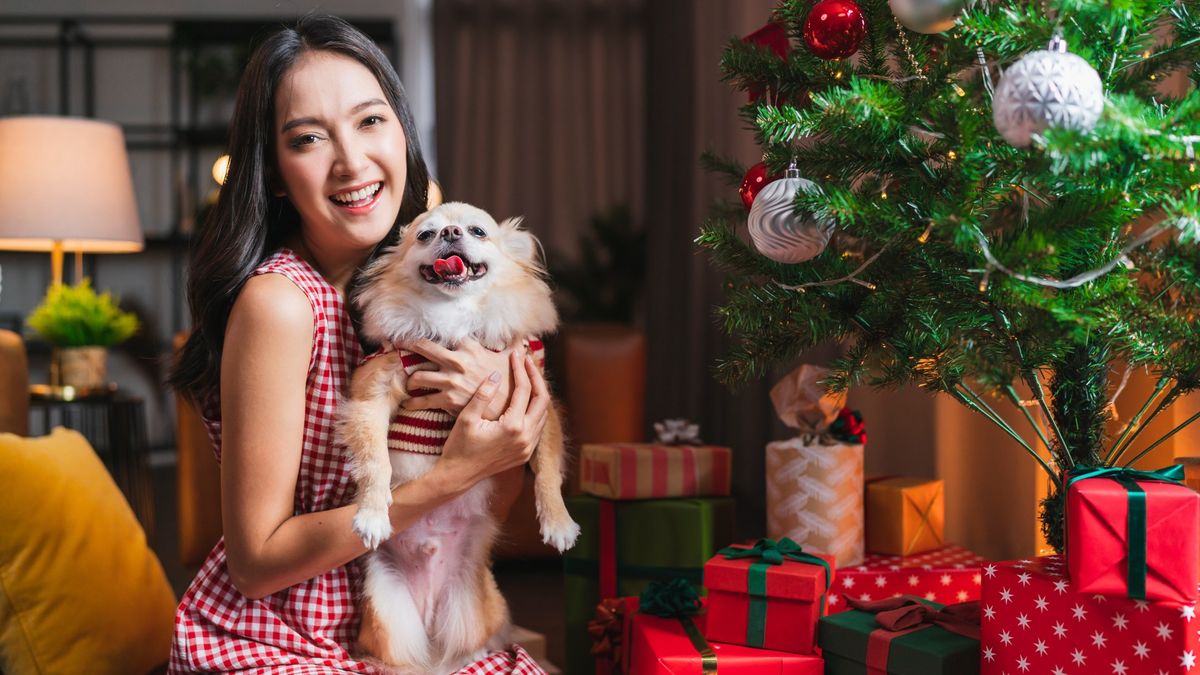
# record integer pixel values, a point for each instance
(561, 535)
(373, 526)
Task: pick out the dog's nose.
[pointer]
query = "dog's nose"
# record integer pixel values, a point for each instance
(452, 233)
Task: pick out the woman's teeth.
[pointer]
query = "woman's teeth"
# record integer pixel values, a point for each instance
(357, 197)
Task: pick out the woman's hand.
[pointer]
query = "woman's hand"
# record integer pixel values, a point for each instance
(478, 447)
(458, 376)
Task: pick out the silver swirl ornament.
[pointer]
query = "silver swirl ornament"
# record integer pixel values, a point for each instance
(1047, 88)
(778, 231)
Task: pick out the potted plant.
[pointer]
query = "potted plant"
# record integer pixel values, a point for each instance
(81, 325)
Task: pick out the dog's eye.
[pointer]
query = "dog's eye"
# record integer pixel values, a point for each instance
(477, 231)
(425, 235)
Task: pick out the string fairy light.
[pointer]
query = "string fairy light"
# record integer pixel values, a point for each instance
(1075, 281)
(851, 278)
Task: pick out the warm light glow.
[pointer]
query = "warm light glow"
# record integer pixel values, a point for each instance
(220, 169)
(952, 155)
(959, 90)
(883, 194)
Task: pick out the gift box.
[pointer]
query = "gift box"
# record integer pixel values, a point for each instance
(1133, 533)
(623, 546)
(657, 645)
(902, 636)
(948, 575)
(815, 480)
(768, 596)
(654, 471)
(906, 515)
(814, 497)
(1034, 622)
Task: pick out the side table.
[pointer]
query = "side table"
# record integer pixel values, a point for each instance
(115, 424)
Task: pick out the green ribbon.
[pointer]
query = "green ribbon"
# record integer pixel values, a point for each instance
(678, 599)
(1135, 520)
(769, 552)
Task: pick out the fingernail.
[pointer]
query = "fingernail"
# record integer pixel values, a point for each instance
(494, 377)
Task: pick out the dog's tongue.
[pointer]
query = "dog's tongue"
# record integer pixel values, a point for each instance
(449, 267)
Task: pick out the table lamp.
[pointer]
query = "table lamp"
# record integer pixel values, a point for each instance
(65, 185)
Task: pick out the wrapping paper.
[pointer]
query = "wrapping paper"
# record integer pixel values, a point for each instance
(650, 540)
(906, 515)
(786, 614)
(1035, 623)
(654, 471)
(946, 575)
(1103, 544)
(814, 496)
(848, 643)
(661, 646)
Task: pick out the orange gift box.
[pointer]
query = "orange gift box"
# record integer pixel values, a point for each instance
(654, 471)
(905, 516)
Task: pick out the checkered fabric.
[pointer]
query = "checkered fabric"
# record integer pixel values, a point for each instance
(308, 627)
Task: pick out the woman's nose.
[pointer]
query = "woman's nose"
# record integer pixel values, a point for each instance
(351, 159)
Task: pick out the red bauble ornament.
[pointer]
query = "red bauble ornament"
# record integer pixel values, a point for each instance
(755, 180)
(773, 36)
(834, 29)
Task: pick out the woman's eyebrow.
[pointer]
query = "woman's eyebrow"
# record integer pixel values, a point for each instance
(301, 121)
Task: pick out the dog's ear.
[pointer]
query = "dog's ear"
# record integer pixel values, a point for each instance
(520, 244)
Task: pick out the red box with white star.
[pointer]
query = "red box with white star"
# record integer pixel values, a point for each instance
(1034, 623)
(946, 575)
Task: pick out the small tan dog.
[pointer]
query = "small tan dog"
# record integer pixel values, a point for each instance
(430, 602)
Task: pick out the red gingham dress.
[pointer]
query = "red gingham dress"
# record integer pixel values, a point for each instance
(309, 627)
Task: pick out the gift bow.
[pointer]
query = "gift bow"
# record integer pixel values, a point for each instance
(607, 630)
(677, 432)
(1135, 519)
(849, 427)
(904, 612)
(773, 552)
(678, 599)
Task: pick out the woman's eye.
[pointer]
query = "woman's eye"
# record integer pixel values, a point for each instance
(304, 139)
(477, 231)
(372, 120)
(425, 236)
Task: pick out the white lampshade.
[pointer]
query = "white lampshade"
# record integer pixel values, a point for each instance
(66, 181)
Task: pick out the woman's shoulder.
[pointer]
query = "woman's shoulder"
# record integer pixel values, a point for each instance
(275, 299)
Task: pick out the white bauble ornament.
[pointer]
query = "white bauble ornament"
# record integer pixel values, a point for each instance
(927, 16)
(775, 228)
(1047, 88)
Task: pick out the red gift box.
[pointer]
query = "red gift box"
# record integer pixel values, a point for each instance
(1121, 543)
(947, 575)
(777, 612)
(662, 646)
(1035, 623)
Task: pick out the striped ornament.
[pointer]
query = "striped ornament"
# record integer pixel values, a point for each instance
(775, 228)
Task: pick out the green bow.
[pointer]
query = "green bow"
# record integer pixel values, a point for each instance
(770, 552)
(669, 599)
(1135, 520)
(678, 599)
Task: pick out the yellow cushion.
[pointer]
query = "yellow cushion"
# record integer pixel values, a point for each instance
(80, 591)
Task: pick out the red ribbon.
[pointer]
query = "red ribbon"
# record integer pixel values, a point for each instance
(608, 549)
(607, 629)
(904, 614)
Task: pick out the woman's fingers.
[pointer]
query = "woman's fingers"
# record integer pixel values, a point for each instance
(539, 404)
(518, 403)
(429, 379)
(443, 357)
(483, 395)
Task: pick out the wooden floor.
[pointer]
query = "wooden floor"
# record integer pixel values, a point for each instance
(534, 589)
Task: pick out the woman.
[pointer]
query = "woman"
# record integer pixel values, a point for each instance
(325, 167)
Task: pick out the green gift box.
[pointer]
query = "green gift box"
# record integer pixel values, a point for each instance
(855, 642)
(646, 540)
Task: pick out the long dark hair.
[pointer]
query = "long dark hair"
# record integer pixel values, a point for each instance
(248, 222)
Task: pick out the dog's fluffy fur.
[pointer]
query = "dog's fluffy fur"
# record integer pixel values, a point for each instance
(430, 602)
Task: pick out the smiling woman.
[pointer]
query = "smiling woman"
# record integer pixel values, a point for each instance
(325, 169)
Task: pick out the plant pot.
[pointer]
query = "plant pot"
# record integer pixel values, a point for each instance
(79, 367)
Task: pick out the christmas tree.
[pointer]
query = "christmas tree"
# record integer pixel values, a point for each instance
(990, 215)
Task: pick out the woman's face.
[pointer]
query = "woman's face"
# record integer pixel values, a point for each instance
(341, 152)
